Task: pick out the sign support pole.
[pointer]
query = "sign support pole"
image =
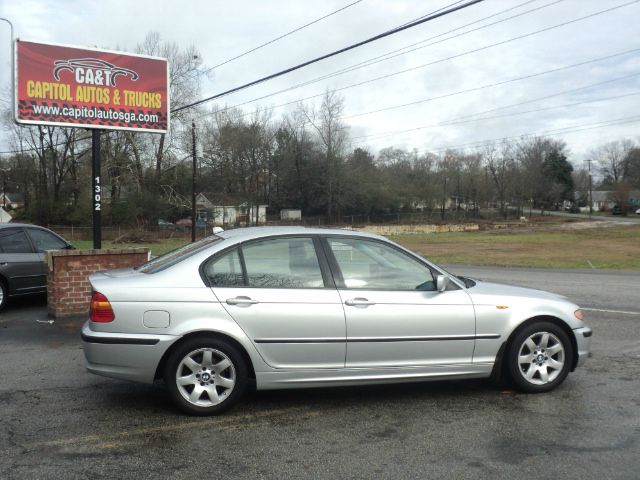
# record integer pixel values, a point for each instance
(96, 191)
(193, 182)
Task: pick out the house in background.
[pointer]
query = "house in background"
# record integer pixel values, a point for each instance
(600, 199)
(4, 216)
(634, 199)
(225, 210)
(11, 200)
(605, 200)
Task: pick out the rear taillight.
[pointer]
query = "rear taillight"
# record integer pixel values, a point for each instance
(100, 310)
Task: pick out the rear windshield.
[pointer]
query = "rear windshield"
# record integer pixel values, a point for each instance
(177, 255)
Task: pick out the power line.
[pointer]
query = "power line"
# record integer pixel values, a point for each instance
(468, 52)
(396, 30)
(432, 12)
(450, 94)
(389, 55)
(595, 100)
(281, 36)
(553, 132)
(439, 97)
(495, 84)
(332, 54)
(435, 14)
(468, 118)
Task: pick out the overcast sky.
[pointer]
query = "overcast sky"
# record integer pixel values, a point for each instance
(221, 30)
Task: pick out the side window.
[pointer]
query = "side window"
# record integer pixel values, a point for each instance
(44, 240)
(373, 265)
(14, 240)
(283, 263)
(225, 271)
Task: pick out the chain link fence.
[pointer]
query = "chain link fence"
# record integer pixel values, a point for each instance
(183, 232)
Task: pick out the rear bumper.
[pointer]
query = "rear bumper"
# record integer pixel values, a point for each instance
(583, 341)
(124, 355)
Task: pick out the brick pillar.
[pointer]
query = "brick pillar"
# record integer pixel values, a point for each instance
(68, 288)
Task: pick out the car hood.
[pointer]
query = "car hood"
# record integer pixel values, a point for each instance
(487, 288)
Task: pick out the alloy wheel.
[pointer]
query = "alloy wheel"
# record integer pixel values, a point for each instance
(205, 377)
(541, 358)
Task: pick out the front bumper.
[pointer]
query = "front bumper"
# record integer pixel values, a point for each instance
(583, 341)
(124, 355)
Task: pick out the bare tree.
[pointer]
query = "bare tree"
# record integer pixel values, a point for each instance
(500, 164)
(332, 134)
(184, 85)
(611, 159)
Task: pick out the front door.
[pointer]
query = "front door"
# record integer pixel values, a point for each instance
(395, 316)
(42, 241)
(283, 300)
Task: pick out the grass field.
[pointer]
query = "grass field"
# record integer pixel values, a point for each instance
(613, 248)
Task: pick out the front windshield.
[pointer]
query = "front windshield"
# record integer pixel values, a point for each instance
(177, 255)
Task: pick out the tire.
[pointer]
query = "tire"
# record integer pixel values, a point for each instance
(539, 357)
(4, 294)
(212, 368)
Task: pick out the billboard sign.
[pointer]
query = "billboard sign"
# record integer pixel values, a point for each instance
(89, 88)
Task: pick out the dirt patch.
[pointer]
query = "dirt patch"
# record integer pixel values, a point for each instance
(136, 238)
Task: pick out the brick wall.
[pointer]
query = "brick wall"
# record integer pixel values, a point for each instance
(68, 289)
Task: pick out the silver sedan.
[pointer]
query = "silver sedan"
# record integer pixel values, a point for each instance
(292, 307)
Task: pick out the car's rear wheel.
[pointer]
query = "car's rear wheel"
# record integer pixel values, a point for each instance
(205, 376)
(539, 357)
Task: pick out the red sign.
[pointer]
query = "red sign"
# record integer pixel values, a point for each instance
(79, 87)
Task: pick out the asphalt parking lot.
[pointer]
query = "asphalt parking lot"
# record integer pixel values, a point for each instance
(57, 421)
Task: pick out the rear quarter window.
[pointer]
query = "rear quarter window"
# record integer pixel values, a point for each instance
(178, 255)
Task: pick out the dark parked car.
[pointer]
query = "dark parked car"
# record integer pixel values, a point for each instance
(166, 225)
(23, 267)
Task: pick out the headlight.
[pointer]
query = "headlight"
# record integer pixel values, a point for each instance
(578, 314)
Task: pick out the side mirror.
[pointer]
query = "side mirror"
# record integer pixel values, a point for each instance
(442, 281)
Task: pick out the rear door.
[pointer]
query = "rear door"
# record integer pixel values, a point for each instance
(19, 263)
(280, 292)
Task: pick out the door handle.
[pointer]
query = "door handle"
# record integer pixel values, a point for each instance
(358, 302)
(241, 301)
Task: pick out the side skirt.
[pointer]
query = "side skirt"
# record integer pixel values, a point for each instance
(368, 376)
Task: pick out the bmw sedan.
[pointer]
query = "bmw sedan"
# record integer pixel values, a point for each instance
(292, 307)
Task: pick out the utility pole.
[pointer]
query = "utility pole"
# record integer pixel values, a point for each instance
(12, 74)
(13, 67)
(4, 189)
(590, 190)
(193, 181)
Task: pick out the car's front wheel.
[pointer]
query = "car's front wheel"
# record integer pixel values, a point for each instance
(539, 357)
(205, 376)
